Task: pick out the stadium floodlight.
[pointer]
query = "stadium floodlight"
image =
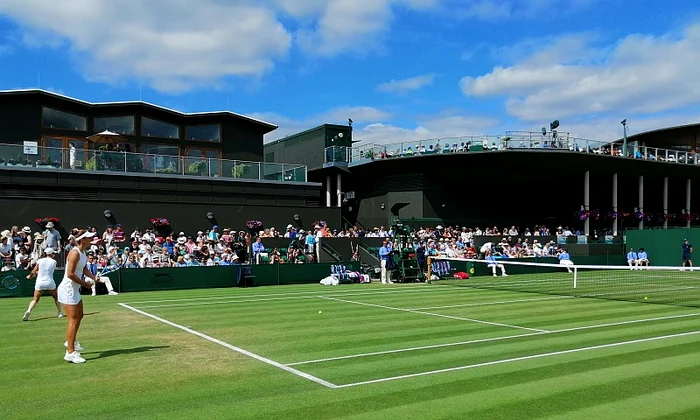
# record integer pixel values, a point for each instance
(554, 125)
(624, 122)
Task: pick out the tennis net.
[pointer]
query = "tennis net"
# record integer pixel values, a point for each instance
(661, 285)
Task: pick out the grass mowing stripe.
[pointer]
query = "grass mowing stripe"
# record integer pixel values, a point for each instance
(289, 294)
(234, 348)
(486, 340)
(518, 359)
(503, 302)
(432, 314)
(310, 296)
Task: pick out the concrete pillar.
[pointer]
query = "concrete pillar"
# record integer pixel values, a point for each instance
(687, 201)
(339, 190)
(586, 201)
(665, 202)
(614, 203)
(641, 199)
(328, 191)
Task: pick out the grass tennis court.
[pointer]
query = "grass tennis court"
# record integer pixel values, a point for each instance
(400, 351)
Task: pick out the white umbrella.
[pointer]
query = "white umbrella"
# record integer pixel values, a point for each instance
(106, 137)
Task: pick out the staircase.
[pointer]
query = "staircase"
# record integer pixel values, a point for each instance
(327, 253)
(366, 256)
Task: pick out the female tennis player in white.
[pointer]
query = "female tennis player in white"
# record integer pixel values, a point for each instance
(43, 270)
(69, 293)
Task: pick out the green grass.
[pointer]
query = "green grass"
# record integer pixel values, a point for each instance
(138, 367)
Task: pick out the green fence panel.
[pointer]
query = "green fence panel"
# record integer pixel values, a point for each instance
(272, 274)
(267, 274)
(145, 279)
(662, 245)
(610, 259)
(26, 286)
(310, 273)
(9, 277)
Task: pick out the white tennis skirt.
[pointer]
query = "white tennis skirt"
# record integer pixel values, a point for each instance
(44, 284)
(69, 292)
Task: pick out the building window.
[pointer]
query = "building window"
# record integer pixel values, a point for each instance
(119, 125)
(153, 128)
(160, 149)
(210, 133)
(53, 118)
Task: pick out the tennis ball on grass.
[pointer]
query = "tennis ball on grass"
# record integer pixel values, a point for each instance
(320, 312)
(646, 298)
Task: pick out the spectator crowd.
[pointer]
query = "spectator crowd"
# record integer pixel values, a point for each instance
(21, 248)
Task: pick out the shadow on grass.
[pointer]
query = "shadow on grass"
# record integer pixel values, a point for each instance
(55, 317)
(118, 352)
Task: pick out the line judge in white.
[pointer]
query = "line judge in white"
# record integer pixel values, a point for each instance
(69, 293)
(43, 271)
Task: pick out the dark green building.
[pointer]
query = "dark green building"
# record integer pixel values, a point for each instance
(310, 147)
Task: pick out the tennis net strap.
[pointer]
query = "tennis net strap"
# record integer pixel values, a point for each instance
(665, 285)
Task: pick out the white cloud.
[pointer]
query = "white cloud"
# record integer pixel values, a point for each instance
(372, 125)
(354, 25)
(339, 115)
(173, 46)
(608, 129)
(407, 85)
(639, 74)
(333, 26)
(168, 43)
(426, 127)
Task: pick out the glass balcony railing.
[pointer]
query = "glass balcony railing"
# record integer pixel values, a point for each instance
(336, 154)
(48, 158)
(515, 140)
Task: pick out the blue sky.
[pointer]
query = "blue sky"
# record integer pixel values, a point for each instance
(403, 70)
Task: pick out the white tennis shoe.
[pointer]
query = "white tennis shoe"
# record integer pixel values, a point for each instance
(112, 293)
(76, 346)
(26, 316)
(73, 357)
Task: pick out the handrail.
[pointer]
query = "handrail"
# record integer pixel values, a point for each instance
(337, 256)
(16, 155)
(514, 140)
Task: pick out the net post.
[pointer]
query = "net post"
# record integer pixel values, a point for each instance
(575, 276)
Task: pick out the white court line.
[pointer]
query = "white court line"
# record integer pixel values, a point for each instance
(487, 340)
(234, 348)
(314, 296)
(518, 359)
(433, 314)
(229, 296)
(502, 302)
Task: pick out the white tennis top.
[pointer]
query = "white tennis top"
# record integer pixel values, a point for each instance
(82, 261)
(46, 268)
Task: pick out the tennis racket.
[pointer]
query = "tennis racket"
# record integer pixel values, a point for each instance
(112, 268)
(10, 282)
